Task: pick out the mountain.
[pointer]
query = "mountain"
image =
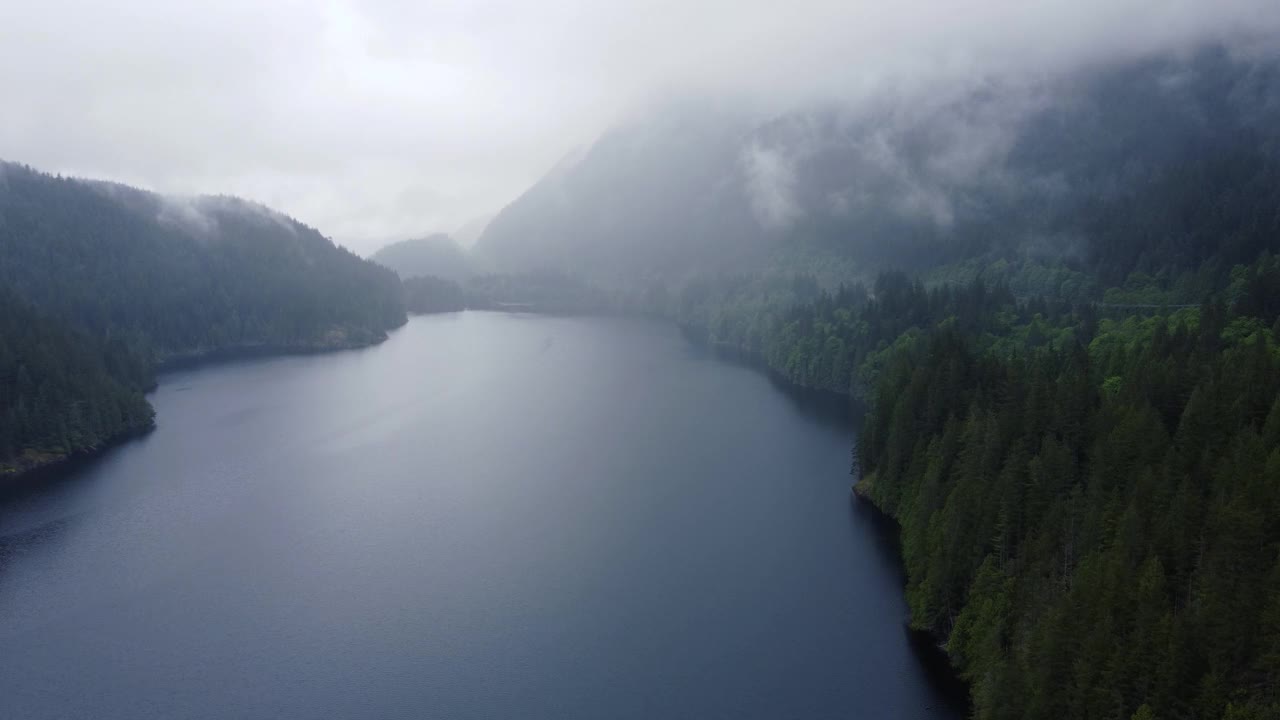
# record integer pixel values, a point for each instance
(60, 391)
(1073, 389)
(470, 231)
(650, 197)
(435, 255)
(1088, 494)
(114, 282)
(1087, 497)
(1054, 169)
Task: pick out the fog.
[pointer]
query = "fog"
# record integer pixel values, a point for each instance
(380, 120)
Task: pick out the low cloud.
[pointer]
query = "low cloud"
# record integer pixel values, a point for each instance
(379, 118)
(770, 180)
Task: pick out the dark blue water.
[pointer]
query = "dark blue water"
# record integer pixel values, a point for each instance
(487, 516)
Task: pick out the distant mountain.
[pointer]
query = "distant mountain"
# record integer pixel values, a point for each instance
(470, 231)
(648, 197)
(435, 255)
(1062, 167)
(1085, 492)
(120, 281)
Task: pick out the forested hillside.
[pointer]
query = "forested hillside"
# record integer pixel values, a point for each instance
(60, 391)
(430, 294)
(435, 255)
(652, 198)
(1091, 521)
(120, 281)
(1061, 301)
(523, 292)
(1074, 396)
(1137, 166)
(1089, 495)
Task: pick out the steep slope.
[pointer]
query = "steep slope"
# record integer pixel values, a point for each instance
(435, 255)
(649, 197)
(102, 283)
(1089, 508)
(60, 391)
(1055, 170)
(1087, 493)
(179, 277)
(470, 231)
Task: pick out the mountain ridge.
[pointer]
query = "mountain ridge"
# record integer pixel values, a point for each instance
(124, 282)
(999, 169)
(437, 255)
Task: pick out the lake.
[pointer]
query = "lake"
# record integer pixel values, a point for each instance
(486, 516)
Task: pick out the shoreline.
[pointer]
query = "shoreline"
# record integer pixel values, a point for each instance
(20, 473)
(735, 355)
(930, 649)
(218, 356)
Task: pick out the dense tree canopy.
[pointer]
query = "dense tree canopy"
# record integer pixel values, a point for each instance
(102, 283)
(430, 294)
(432, 256)
(1074, 394)
(1093, 527)
(1089, 494)
(59, 391)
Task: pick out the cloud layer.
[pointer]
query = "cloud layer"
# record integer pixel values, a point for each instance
(378, 120)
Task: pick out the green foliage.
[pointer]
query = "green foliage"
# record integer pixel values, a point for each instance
(837, 341)
(1089, 496)
(113, 282)
(429, 294)
(1096, 533)
(1144, 713)
(546, 292)
(178, 277)
(60, 392)
(1024, 278)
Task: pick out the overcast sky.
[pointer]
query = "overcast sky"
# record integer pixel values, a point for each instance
(379, 119)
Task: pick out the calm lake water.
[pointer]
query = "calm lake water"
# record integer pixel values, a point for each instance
(487, 516)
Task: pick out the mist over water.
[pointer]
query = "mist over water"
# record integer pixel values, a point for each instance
(486, 516)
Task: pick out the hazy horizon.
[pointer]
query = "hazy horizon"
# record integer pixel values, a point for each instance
(376, 122)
